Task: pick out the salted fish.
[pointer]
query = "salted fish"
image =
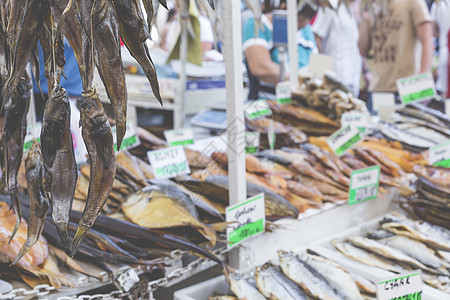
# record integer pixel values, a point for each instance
(300, 273)
(242, 288)
(336, 277)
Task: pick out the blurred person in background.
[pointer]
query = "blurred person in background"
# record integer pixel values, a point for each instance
(336, 32)
(441, 16)
(261, 57)
(393, 38)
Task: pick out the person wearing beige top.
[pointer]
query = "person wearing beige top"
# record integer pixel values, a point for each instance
(392, 37)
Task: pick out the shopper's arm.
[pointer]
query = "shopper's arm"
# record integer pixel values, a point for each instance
(365, 31)
(261, 64)
(425, 33)
(318, 43)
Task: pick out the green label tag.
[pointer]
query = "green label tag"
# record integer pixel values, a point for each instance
(355, 118)
(344, 139)
(418, 87)
(364, 185)
(130, 140)
(179, 137)
(168, 162)
(251, 142)
(406, 286)
(283, 93)
(257, 109)
(440, 155)
(33, 131)
(247, 219)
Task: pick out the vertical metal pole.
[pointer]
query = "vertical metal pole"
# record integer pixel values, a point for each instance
(179, 102)
(235, 110)
(292, 41)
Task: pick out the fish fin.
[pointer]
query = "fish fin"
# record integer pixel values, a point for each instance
(25, 248)
(16, 206)
(77, 239)
(209, 233)
(211, 3)
(63, 233)
(121, 128)
(163, 3)
(221, 226)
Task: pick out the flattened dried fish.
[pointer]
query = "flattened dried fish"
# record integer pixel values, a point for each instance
(38, 200)
(98, 139)
(59, 159)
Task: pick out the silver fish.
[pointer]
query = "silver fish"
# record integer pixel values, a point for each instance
(336, 277)
(417, 250)
(365, 257)
(302, 275)
(386, 251)
(242, 288)
(274, 285)
(432, 240)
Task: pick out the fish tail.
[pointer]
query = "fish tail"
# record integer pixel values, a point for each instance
(25, 248)
(16, 207)
(121, 128)
(63, 233)
(77, 239)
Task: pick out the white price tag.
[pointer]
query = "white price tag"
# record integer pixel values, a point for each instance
(168, 162)
(440, 155)
(283, 92)
(257, 109)
(252, 142)
(179, 137)
(344, 139)
(402, 286)
(356, 119)
(249, 218)
(33, 132)
(418, 87)
(364, 184)
(128, 279)
(130, 140)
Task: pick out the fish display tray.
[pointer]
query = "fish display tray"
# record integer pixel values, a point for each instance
(324, 247)
(203, 290)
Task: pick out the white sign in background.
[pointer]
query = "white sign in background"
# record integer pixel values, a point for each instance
(439, 153)
(179, 136)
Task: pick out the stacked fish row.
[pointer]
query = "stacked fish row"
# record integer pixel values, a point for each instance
(93, 29)
(303, 276)
(402, 244)
(327, 96)
(417, 127)
(432, 202)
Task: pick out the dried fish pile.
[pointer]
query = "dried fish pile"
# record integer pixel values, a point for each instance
(432, 201)
(401, 244)
(417, 127)
(300, 276)
(327, 96)
(94, 30)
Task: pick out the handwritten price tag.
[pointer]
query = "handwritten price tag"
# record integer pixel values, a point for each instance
(130, 140)
(168, 162)
(250, 220)
(283, 93)
(364, 185)
(440, 155)
(257, 109)
(418, 87)
(356, 119)
(179, 137)
(344, 139)
(251, 142)
(402, 286)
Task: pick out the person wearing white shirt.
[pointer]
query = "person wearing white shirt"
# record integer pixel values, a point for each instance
(336, 32)
(441, 16)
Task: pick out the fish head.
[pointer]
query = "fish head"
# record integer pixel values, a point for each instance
(92, 112)
(33, 162)
(57, 106)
